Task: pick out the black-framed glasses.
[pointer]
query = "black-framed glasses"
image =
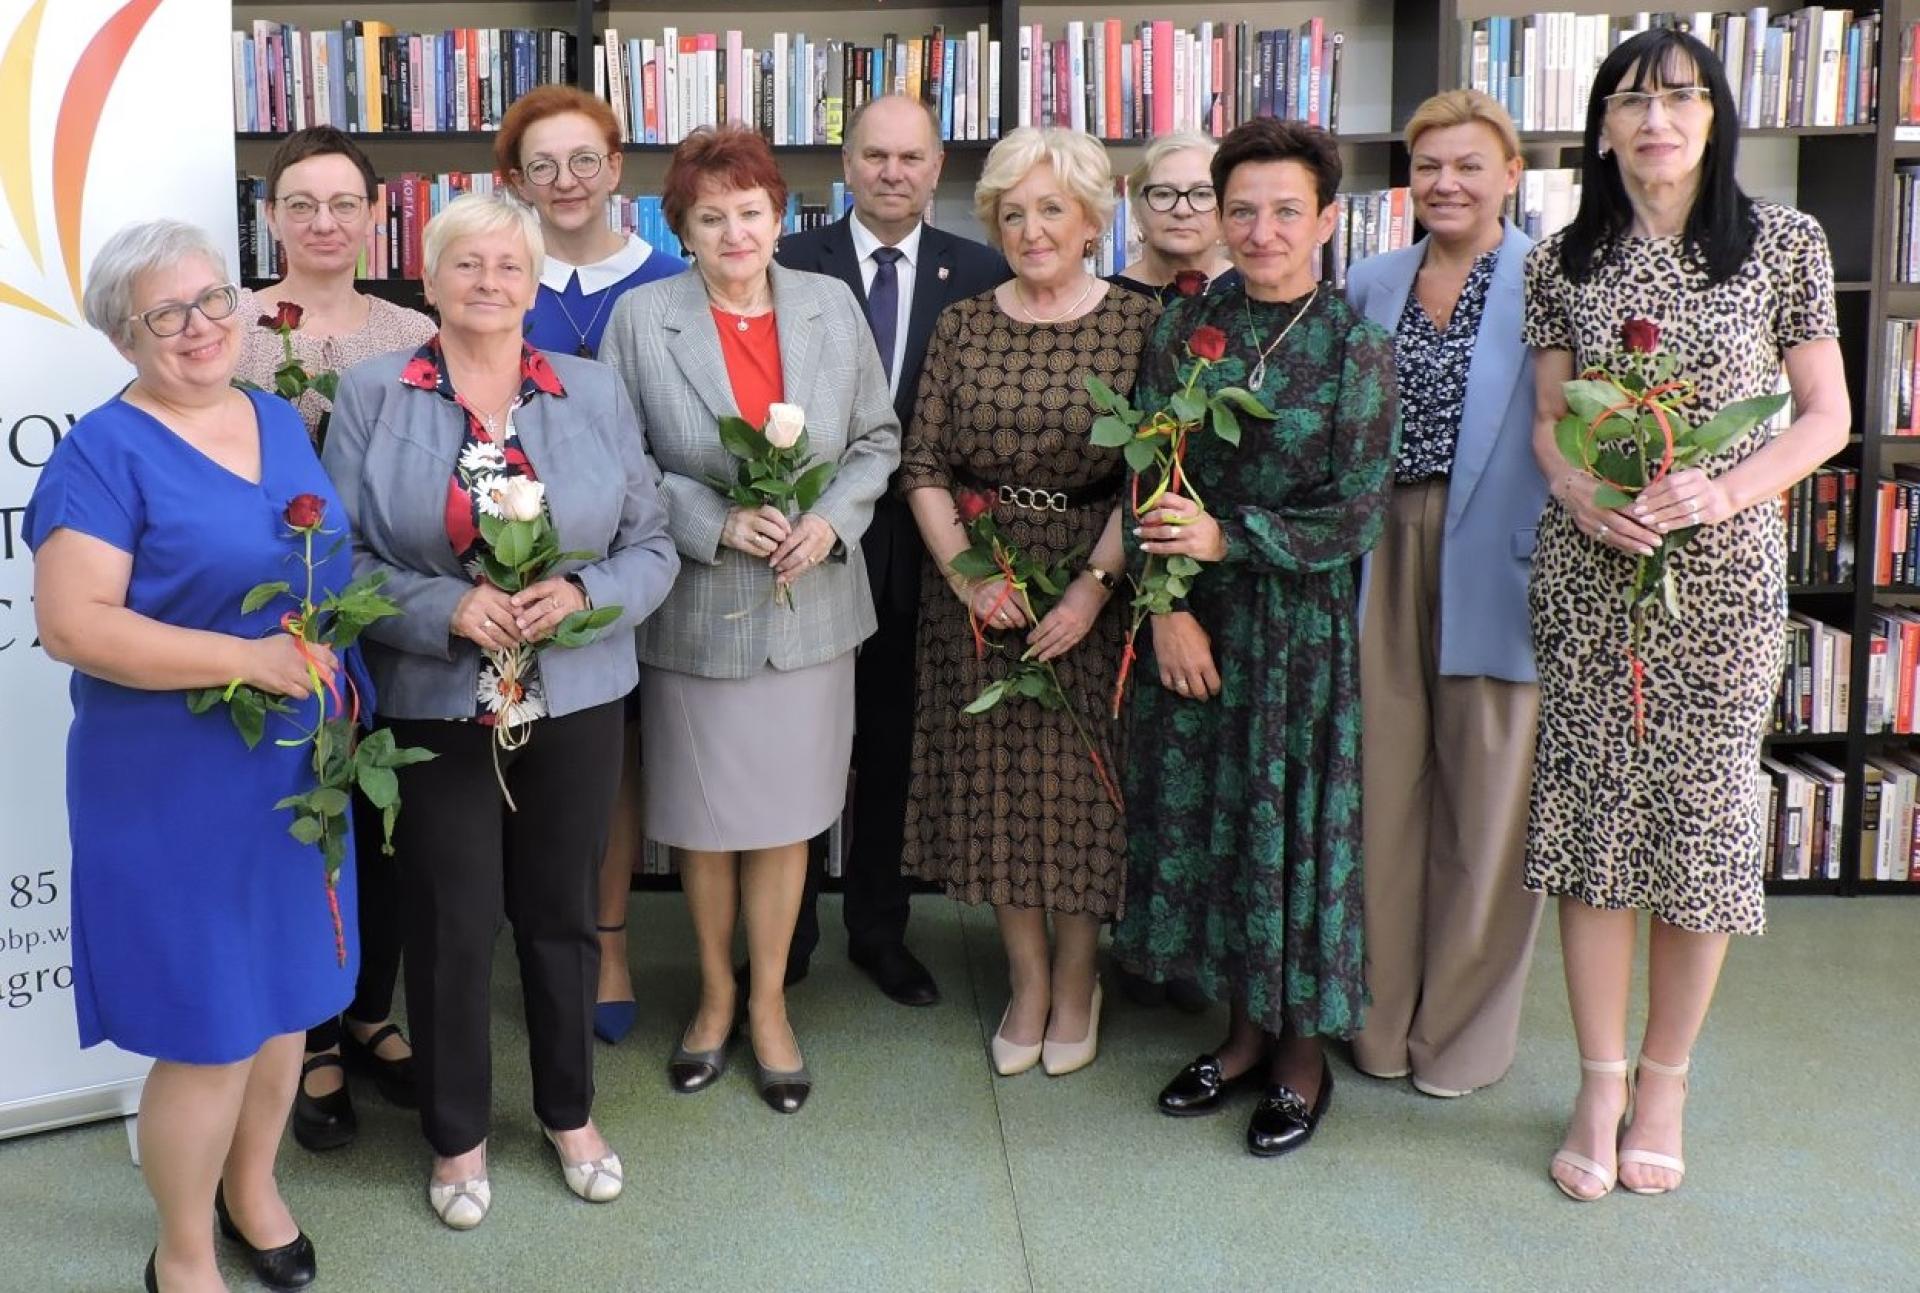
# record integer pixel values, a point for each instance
(170, 319)
(1164, 197)
(544, 170)
(302, 208)
(1635, 104)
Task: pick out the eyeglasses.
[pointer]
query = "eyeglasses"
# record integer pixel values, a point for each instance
(1633, 105)
(544, 170)
(170, 320)
(302, 209)
(1164, 197)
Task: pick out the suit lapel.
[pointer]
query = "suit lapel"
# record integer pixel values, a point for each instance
(694, 343)
(798, 311)
(1497, 363)
(1390, 302)
(840, 260)
(930, 277)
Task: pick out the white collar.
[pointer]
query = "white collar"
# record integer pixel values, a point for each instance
(865, 240)
(600, 275)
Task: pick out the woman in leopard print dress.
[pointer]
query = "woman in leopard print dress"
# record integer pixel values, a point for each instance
(1669, 823)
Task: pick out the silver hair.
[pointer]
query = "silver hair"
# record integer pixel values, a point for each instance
(135, 250)
(478, 213)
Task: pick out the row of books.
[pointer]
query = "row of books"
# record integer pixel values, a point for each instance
(1118, 84)
(1893, 671)
(798, 89)
(1545, 201)
(1904, 265)
(1806, 806)
(365, 76)
(1820, 525)
(1902, 390)
(1812, 67)
(1896, 558)
(1890, 817)
(1815, 686)
(1909, 84)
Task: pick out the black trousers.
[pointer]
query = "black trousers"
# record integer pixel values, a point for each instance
(877, 895)
(466, 861)
(378, 909)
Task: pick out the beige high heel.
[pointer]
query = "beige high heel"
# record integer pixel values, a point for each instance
(1062, 1058)
(1010, 1058)
(1646, 1157)
(1580, 1162)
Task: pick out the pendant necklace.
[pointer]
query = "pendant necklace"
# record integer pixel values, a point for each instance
(740, 321)
(584, 350)
(1033, 316)
(1258, 376)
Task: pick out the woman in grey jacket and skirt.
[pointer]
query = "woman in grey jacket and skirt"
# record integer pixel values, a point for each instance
(746, 699)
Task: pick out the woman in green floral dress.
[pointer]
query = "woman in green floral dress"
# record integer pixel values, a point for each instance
(1243, 788)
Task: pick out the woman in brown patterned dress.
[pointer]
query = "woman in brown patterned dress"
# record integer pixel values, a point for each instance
(1669, 823)
(1007, 807)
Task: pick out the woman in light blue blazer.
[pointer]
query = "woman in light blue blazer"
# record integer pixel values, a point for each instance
(1446, 663)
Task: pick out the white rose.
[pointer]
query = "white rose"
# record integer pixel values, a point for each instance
(785, 424)
(520, 499)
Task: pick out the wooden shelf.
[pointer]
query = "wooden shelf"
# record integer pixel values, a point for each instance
(1803, 888)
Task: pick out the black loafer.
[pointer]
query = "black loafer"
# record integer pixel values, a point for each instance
(1282, 1122)
(394, 1077)
(323, 1122)
(290, 1266)
(1201, 1087)
(898, 972)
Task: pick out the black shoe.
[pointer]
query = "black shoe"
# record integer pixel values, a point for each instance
(796, 971)
(394, 1078)
(323, 1122)
(691, 1071)
(784, 1092)
(898, 972)
(1282, 1122)
(290, 1266)
(153, 1280)
(1201, 1087)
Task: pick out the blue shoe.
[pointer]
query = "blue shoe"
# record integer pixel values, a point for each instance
(613, 1020)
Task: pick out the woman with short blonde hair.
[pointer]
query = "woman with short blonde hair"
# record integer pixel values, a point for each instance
(1077, 161)
(1171, 197)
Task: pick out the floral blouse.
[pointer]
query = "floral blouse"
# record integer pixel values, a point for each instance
(488, 459)
(1433, 366)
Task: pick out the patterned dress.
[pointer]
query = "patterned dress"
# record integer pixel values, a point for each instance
(1244, 810)
(1671, 825)
(389, 327)
(1006, 807)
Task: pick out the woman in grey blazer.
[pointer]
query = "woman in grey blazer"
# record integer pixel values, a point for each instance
(422, 447)
(746, 701)
(1446, 662)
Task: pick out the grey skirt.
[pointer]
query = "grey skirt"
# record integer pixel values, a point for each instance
(746, 763)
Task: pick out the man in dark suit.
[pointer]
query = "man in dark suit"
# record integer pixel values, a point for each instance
(905, 272)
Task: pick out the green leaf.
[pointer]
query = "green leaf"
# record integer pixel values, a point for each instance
(813, 483)
(260, 594)
(378, 784)
(248, 711)
(1588, 399)
(1032, 684)
(1609, 497)
(973, 564)
(515, 544)
(202, 699)
(1244, 400)
(288, 383)
(1139, 454)
(1733, 421)
(1103, 396)
(1570, 437)
(328, 801)
(582, 627)
(989, 697)
(327, 384)
(408, 755)
(1188, 406)
(292, 801)
(307, 830)
(1183, 565)
(742, 439)
(1110, 432)
(1225, 424)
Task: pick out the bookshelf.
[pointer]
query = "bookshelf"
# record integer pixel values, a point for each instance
(1397, 52)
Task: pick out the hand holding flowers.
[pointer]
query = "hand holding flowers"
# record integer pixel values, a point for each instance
(777, 476)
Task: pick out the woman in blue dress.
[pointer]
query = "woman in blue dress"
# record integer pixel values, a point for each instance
(201, 930)
(560, 149)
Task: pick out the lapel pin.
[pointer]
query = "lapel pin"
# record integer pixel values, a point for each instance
(942, 273)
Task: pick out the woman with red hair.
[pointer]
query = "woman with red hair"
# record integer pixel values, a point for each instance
(559, 148)
(747, 698)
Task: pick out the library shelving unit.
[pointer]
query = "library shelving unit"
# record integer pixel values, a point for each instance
(1397, 53)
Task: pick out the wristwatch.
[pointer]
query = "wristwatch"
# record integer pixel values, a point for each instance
(1105, 578)
(581, 584)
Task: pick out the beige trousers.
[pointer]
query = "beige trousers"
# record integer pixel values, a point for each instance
(1447, 766)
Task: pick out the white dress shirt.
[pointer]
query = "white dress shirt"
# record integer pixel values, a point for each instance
(864, 242)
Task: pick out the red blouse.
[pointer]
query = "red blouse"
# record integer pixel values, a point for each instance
(753, 362)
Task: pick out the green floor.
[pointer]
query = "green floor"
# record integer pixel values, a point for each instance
(913, 1168)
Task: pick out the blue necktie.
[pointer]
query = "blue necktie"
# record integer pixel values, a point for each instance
(883, 304)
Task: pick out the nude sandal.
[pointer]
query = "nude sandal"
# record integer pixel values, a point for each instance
(1580, 1162)
(1646, 1157)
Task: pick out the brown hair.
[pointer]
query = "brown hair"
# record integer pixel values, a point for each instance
(1460, 108)
(730, 158)
(549, 101)
(1265, 139)
(318, 141)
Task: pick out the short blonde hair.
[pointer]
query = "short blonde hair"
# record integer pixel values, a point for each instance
(1163, 147)
(471, 214)
(1460, 108)
(1078, 161)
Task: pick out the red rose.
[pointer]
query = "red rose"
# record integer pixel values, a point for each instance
(286, 315)
(1207, 342)
(306, 511)
(972, 505)
(1190, 282)
(1641, 336)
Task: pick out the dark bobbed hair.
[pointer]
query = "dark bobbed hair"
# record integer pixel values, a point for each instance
(318, 141)
(1267, 139)
(1721, 227)
(732, 158)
